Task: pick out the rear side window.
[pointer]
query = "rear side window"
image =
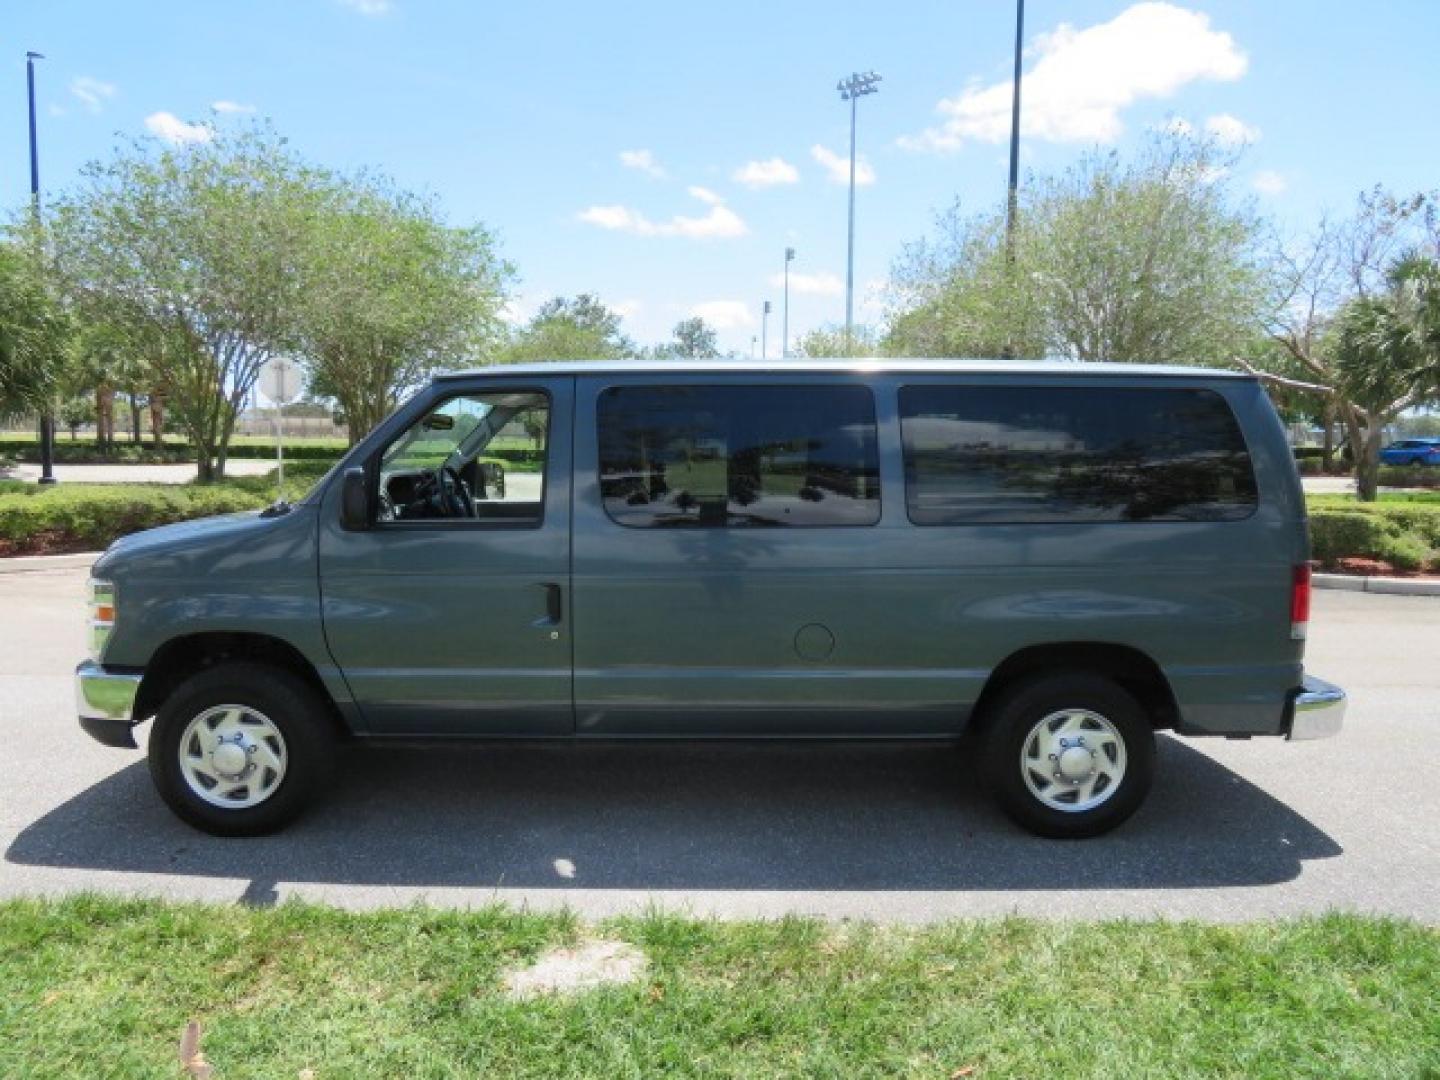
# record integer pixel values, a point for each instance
(978, 455)
(739, 456)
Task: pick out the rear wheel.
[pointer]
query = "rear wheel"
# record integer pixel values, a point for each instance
(1067, 755)
(240, 748)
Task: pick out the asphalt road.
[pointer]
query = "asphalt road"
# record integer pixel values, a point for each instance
(1232, 830)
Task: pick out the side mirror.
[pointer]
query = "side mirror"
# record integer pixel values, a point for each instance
(354, 500)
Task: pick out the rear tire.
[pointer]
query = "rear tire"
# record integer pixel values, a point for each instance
(1067, 755)
(240, 748)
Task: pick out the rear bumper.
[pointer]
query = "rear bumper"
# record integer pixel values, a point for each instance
(105, 701)
(1317, 711)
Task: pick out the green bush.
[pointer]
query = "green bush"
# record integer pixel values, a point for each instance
(1410, 476)
(1406, 537)
(90, 516)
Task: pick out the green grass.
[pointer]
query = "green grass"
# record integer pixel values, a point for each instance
(102, 987)
(1348, 500)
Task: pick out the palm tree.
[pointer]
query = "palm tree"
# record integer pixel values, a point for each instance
(1387, 350)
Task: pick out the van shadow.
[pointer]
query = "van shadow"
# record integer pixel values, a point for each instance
(779, 817)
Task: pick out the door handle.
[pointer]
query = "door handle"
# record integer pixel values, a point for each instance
(554, 604)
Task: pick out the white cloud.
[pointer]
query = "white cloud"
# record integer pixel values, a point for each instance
(837, 166)
(1231, 130)
(763, 174)
(811, 284)
(725, 314)
(223, 106)
(627, 309)
(1270, 182)
(720, 221)
(172, 129)
(369, 8)
(642, 161)
(1082, 79)
(91, 93)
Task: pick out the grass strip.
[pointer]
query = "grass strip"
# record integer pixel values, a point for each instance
(95, 987)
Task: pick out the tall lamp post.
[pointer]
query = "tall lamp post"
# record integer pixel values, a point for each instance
(47, 420)
(765, 331)
(785, 313)
(852, 90)
(1013, 195)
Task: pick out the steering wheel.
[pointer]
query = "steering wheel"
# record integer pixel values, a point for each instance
(454, 493)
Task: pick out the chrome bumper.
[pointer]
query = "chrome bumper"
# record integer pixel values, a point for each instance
(105, 701)
(1317, 710)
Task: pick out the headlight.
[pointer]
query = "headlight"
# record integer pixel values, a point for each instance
(102, 616)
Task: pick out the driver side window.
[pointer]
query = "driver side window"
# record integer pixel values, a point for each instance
(476, 457)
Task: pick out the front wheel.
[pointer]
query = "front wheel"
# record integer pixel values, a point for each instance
(240, 748)
(1067, 755)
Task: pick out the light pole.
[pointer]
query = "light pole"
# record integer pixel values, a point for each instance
(852, 90)
(765, 331)
(785, 314)
(47, 421)
(1012, 196)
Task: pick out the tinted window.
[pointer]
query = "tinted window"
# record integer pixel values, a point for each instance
(1046, 454)
(735, 456)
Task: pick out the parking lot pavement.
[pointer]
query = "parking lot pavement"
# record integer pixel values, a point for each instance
(1232, 831)
(136, 474)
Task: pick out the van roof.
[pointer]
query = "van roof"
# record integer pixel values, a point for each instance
(881, 365)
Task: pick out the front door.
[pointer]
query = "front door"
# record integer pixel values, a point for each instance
(449, 615)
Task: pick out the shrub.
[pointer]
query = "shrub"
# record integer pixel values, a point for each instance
(90, 516)
(1410, 476)
(1406, 537)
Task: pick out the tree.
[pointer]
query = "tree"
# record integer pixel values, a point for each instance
(693, 340)
(829, 341)
(581, 328)
(1342, 261)
(1147, 260)
(194, 249)
(390, 295)
(1387, 355)
(75, 412)
(35, 330)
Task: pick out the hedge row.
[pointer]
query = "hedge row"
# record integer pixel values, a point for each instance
(1405, 536)
(87, 517)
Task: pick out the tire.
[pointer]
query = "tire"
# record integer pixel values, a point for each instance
(283, 748)
(1106, 731)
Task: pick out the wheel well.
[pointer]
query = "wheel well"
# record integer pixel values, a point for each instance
(179, 658)
(1129, 667)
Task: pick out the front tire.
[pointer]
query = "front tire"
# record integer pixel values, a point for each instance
(240, 748)
(1068, 755)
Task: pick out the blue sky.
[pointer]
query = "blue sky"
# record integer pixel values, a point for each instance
(608, 144)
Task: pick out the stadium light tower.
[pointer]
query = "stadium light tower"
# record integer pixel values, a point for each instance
(852, 90)
(47, 418)
(785, 314)
(765, 331)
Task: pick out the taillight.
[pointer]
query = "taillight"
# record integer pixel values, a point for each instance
(1299, 601)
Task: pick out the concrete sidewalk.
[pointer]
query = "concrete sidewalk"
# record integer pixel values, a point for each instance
(134, 474)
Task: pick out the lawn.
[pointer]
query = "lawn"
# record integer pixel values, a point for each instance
(102, 987)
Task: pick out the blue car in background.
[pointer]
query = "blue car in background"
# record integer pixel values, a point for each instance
(1412, 452)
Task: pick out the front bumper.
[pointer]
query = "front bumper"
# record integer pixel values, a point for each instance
(1317, 710)
(105, 700)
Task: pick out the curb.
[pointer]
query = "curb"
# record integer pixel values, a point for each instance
(1392, 585)
(23, 564)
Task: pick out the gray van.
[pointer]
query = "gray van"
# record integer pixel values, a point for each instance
(1053, 561)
